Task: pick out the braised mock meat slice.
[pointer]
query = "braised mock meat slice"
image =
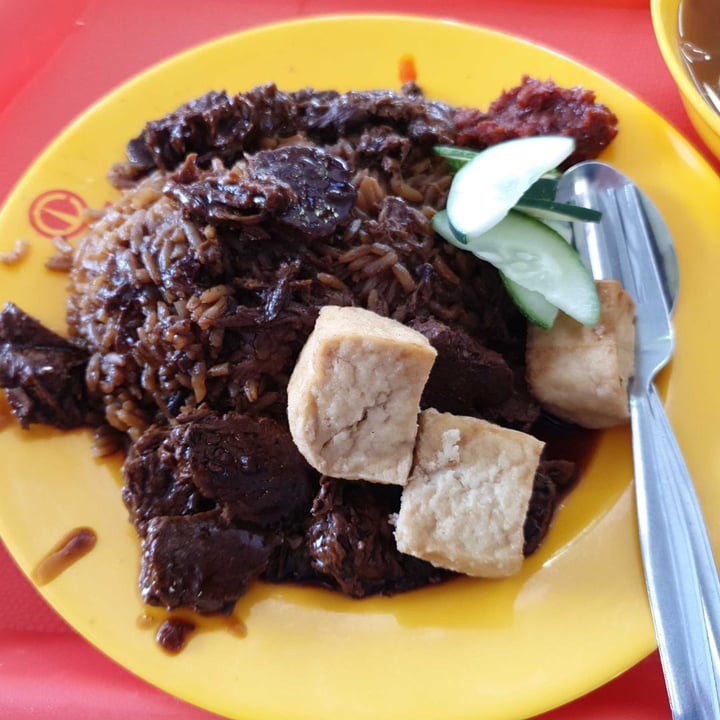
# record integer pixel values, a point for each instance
(43, 374)
(469, 378)
(351, 543)
(248, 465)
(320, 182)
(229, 199)
(540, 512)
(301, 188)
(199, 562)
(213, 125)
(466, 375)
(422, 120)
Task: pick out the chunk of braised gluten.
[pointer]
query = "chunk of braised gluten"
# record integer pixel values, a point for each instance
(354, 395)
(43, 374)
(350, 541)
(465, 504)
(151, 487)
(580, 374)
(197, 561)
(466, 375)
(469, 378)
(248, 465)
(552, 479)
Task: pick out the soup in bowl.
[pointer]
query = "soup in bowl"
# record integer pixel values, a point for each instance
(688, 34)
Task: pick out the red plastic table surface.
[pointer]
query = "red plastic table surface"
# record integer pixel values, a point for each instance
(56, 58)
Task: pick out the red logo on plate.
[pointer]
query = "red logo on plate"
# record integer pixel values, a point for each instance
(57, 212)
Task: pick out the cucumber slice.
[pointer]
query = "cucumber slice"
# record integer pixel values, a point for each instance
(562, 228)
(456, 156)
(543, 189)
(540, 269)
(532, 254)
(441, 225)
(539, 201)
(531, 304)
(552, 210)
(484, 189)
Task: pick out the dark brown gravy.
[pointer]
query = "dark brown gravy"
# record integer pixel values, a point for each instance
(699, 30)
(568, 442)
(173, 631)
(75, 545)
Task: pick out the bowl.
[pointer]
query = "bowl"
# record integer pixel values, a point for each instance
(703, 115)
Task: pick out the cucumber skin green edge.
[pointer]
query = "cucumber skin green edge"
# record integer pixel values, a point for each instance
(551, 210)
(531, 304)
(489, 172)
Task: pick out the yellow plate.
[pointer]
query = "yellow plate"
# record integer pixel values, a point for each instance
(575, 616)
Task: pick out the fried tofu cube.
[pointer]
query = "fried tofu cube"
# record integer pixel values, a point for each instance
(580, 374)
(465, 504)
(354, 395)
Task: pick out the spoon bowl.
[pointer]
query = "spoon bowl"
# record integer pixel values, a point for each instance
(581, 185)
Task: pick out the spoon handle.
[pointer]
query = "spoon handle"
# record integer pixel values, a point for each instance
(680, 570)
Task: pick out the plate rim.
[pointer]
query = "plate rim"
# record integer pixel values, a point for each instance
(160, 67)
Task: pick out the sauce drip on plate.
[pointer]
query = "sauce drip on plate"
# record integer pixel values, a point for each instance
(174, 633)
(75, 545)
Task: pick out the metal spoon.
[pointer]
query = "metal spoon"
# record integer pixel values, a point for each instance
(632, 244)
